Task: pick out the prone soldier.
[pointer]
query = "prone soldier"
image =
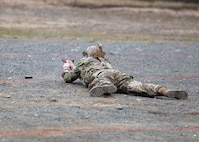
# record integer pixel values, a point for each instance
(97, 74)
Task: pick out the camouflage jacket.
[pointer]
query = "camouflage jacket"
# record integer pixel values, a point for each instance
(85, 70)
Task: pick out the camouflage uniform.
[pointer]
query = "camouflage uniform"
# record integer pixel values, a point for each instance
(98, 72)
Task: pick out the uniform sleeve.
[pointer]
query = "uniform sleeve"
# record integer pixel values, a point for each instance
(70, 76)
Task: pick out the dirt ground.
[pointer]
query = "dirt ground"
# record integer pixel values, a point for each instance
(46, 20)
(154, 45)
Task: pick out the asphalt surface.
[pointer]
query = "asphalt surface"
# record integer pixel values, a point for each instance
(36, 104)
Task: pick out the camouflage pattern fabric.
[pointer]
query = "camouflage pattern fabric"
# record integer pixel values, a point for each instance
(98, 72)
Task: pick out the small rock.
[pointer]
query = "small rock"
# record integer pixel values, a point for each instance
(36, 115)
(53, 100)
(5, 96)
(138, 100)
(183, 134)
(120, 108)
(9, 78)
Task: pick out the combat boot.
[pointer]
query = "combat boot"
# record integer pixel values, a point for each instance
(178, 94)
(98, 91)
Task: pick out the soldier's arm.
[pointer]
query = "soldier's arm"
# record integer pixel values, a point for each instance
(71, 75)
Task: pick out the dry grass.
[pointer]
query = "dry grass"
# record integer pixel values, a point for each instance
(105, 3)
(126, 3)
(43, 33)
(32, 26)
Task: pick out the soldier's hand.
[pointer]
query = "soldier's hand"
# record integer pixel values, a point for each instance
(68, 65)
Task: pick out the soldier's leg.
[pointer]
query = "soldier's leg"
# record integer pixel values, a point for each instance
(102, 84)
(147, 89)
(152, 90)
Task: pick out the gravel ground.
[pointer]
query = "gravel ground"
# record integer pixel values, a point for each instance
(36, 104)
(45, 108)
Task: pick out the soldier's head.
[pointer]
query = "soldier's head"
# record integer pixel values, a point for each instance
(94, 51)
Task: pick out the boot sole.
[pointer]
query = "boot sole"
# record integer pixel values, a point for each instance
(101, 90)
(177, 94)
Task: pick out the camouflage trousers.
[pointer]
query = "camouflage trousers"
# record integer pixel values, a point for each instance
(124, 83)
